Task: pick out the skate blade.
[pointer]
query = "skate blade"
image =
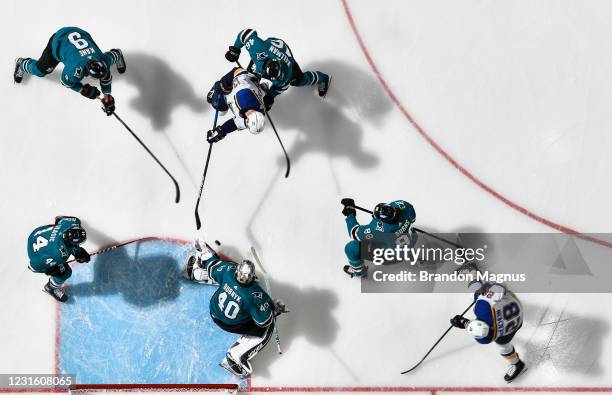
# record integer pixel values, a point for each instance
(519, 375)
(226, 367)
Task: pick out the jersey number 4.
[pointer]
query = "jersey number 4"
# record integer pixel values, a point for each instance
(40, 243)
(231, 309)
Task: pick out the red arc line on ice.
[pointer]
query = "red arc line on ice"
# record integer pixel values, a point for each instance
(445, 154)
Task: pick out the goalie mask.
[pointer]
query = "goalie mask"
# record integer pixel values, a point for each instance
(386, 213)
(96, 68)
(74, 235)
(245, 272)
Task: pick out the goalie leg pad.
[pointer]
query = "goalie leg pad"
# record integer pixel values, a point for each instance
(247, 346)
(195, 272)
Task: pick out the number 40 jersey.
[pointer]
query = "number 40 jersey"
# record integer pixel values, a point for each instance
(233, 304)
(502, 311)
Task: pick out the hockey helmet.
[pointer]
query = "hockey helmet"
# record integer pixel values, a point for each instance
(272, 69)
(96, 68)
(256, 122)
(245, 272)
(385, 212)
(478, 329)
(74, 235)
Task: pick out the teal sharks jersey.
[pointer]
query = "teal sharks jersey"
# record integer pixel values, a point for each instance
(233, 303)
(271, 48)
(74, 47)
(46, 247)
(402, 227)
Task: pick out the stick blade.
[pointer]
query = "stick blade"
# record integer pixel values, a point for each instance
(411, 369)
(198, 222)
(178, 191)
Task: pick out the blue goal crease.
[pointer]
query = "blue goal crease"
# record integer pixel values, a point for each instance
(133, 318)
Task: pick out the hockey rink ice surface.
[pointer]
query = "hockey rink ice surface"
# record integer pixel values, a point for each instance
(488, 116)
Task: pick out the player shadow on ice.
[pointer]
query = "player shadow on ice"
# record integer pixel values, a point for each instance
(142, 281)
(307, 317)
(333, 125)
(161, 89)
(563, 340)
(311, 317)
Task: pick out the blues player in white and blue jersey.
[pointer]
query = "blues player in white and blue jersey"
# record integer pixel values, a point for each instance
(82, 58)
(272, 59)
(240, 92)
(389, 221)
(499, 316)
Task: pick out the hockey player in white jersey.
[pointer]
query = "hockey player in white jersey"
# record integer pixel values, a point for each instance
(499, 316)
(245, 95)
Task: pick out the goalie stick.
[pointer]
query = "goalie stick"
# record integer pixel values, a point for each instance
(176, 185)
(267, 283)
(436, 343)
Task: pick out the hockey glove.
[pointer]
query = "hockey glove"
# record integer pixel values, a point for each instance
(90, 92)
(349, 207)
(81, 255)
(459, 322)
(265, 84)
(58, 218)
(232, 54)
(215, 135)
(280, 307)
(109, 104)
(268, 102)
(57, 270)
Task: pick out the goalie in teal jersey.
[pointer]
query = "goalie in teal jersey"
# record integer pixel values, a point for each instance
(50, 247)
(388, 219)
(82, 58)
(273, 60)
(240, 305)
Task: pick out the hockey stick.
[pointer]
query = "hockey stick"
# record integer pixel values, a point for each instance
(267, 283)
(416, 229)
(176, 185)
(210, 145)
(436, 343)
(287, 160)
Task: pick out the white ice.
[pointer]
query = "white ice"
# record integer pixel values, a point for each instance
(518, 92)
